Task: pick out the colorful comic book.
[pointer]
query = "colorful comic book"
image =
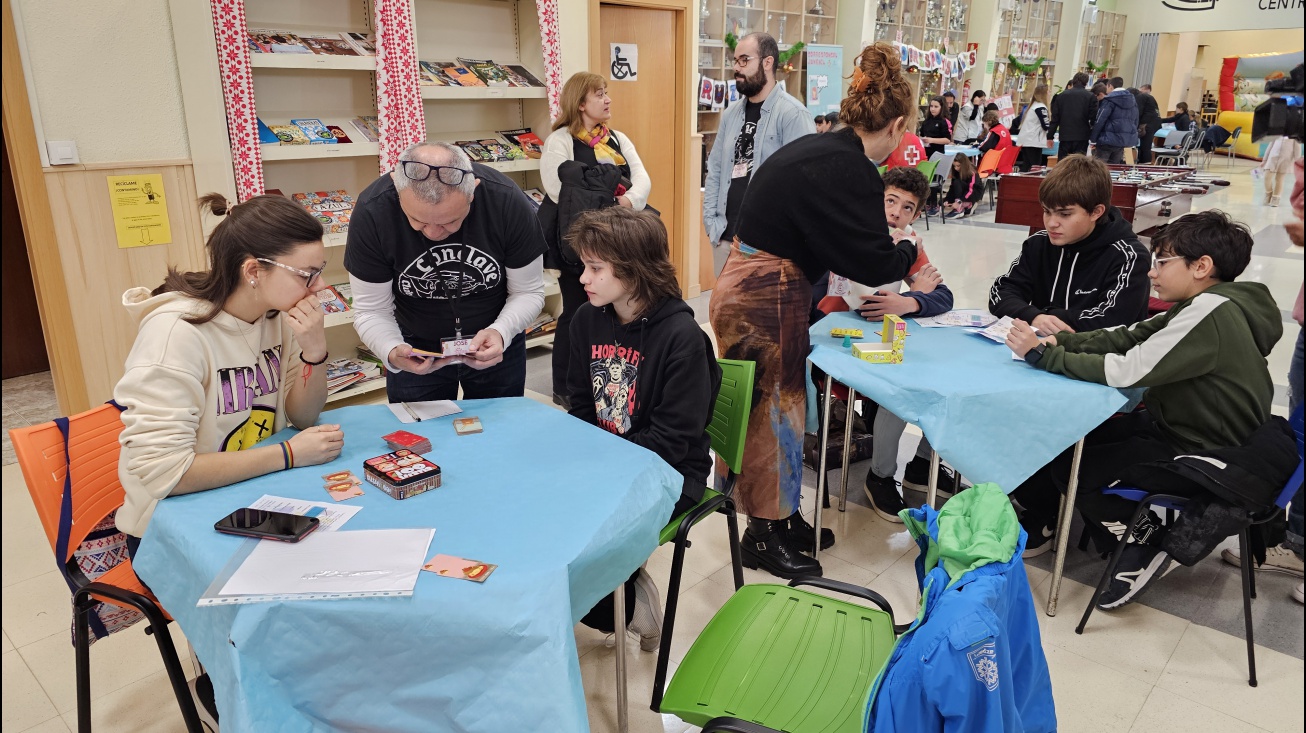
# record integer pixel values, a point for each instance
(530, 143)
(290, 134)
(345, 292)
(339, 134)
(363, 43)
(366, 129)
(489, 72)
(332, 208)
(331, 301)
(462, 75)
(327, 45)
(475, 151)
(500, 151)
(315, 130)
(521, 77)
(432, 75)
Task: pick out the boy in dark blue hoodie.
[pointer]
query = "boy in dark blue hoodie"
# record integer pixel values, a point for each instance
(641, 368)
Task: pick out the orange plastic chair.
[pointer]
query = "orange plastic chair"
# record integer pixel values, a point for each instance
(90, 456)
(989, 163)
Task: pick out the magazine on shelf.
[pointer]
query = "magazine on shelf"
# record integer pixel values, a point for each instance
(363, 43)
(500, 150)
(339, 134)
(475, 151)
(274, 41)
(290, 134)
(366, 128)
(461, 75)
(329, 45)
(535, 195)
(489, 72)
(332, 208)
(530, 143)
(432, 75)
(315, 130)
(522, 77)
(331, 300)
(345, 292)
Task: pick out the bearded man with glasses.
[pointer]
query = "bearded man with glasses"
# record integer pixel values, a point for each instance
(445, 259)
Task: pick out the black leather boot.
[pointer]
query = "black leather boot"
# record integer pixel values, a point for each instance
(801, 534)
(766, 545)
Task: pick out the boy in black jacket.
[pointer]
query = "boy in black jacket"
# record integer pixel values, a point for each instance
(641, 368)
(1087, 270)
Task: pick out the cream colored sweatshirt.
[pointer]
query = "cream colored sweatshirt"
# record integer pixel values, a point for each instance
(218, 386)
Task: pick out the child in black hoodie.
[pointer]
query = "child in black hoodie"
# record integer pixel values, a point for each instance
(641, 368)
(1086, 270)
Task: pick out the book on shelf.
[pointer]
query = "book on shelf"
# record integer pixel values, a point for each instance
(432, 75)
(500, 151)
(461, 75)
(487, 71)
(369, 126)
(363, 43)
(339, 134)
(290, 134)
(475, 151)
(315, 130)
(535, 195)
(345, 292)
(543, 323)
(265, 134)
(530, 143)
(332, 208)
(262, 40)
(521, 77)
(345, 373)
(331, 300)
(366, 354)
(329, 45)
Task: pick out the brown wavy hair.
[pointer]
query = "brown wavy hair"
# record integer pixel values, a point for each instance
(634, 243)
(263, 226)
(878, 93)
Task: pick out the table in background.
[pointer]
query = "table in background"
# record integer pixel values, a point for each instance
(565, 509)
(969, 151)
(994, 419)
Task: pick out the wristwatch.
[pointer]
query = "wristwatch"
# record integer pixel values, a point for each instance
(1033, 355)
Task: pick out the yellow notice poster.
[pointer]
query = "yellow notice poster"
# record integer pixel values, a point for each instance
(140, 214)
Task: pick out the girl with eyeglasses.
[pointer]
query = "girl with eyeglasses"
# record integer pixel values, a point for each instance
(223, 359)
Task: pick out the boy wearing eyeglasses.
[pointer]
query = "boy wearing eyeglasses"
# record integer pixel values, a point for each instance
(446, 257)
(1087, 269)
(1208, 388)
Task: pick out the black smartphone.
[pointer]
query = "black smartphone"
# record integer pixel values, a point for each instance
(267, 525)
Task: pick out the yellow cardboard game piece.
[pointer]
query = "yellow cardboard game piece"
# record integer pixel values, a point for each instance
(839, 332)
(888, 350)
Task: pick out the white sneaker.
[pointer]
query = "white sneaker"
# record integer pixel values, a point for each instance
(647, 621)
(1297, 594)
(1278, 559)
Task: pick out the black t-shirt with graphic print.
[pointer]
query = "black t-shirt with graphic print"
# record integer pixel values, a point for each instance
(742, 155)
(500, 233)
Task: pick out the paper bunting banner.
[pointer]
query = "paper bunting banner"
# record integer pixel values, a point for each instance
(950, 65)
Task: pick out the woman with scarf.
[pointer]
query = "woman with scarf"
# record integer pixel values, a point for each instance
(581, 134)
(815, 205)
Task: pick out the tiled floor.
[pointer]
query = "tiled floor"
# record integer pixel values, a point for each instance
(1176, 662)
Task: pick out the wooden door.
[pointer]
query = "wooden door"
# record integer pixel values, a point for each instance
(23, 347)
(643, 108)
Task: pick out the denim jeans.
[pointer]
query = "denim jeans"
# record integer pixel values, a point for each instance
(505, 379)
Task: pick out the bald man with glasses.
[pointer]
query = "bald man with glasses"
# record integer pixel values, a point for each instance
(750, 130)
(445, 260)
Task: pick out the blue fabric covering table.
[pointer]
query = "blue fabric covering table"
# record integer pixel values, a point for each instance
(968, 150)
(992, 418)
(565, 509)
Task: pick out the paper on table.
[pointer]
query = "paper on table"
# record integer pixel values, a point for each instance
(369, 561)
(998, 331)
(331, 518)
(409, 412)
(966, 318)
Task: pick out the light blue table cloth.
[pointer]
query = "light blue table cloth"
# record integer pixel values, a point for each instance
(989, 416)
(566, 510)
(968, 150)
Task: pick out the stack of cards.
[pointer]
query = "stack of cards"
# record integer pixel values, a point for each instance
(456, 567)
(467, 425)
(401, 439)
(402, 474)
(342, 485)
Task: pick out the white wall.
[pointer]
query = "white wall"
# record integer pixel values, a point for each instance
(105, 74)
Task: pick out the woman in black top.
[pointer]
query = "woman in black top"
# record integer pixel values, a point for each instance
(936, 130)
(1181, 119)
(817, 204)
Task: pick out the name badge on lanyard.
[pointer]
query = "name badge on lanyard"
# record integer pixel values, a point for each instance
(740, 170)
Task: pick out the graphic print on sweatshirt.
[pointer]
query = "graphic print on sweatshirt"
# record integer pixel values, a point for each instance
(239, 388)
(614, 373)
(437, 273)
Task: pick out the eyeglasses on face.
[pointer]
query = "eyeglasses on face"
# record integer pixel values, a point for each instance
(446, 174)
(743, 60)
(310, 276)
(1158, 261)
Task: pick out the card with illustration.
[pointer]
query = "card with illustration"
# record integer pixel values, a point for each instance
(457, 567)
(338, 476)
(342, 490)
(467, 425)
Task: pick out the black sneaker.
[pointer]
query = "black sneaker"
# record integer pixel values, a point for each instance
(1139, 565)
(884, 496)
(917, 476)
(1038, 540)
(201, 688)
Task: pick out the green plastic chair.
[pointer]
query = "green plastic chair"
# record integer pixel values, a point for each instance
(882, 169)
(779, 658)
(927, 167)
(727, 431)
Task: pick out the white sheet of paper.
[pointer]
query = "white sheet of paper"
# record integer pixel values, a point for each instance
(964, 317)
(362, 561)
(332, 517)
(424, 410)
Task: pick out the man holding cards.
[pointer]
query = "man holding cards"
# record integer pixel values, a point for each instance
(445, 258)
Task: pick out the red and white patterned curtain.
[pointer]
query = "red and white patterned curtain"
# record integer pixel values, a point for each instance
(398, 95)
(552, 42)
(229, 28)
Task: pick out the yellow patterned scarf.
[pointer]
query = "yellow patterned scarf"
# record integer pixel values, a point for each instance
(598, 140)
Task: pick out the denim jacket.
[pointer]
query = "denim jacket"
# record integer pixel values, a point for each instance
(783, 120)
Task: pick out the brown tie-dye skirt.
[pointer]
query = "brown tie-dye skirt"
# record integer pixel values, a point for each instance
(759, 312)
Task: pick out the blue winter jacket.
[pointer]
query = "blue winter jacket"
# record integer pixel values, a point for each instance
(973, 659)
(1117, 120)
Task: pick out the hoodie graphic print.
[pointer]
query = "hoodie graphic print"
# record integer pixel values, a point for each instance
(614, 376)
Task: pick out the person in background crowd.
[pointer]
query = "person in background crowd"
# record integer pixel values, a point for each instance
(969, 125)
(936, 129)
(1117, 124)
(1073, 111)
(950, 108)
(822, 124)
(1034, 126)
(1181, 119)
(1149, 121)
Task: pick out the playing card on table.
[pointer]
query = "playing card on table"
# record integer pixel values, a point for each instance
(457, 567)
(467, 425)
(342, 490)
(404, 439)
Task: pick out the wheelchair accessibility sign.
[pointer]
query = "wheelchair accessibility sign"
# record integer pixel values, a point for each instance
(624, 62)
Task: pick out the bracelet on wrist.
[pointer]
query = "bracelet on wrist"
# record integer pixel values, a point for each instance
(285, 457)
(290, 452)
(314, 363)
